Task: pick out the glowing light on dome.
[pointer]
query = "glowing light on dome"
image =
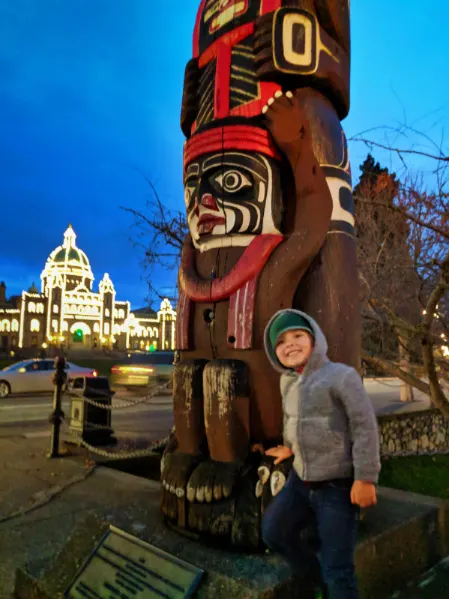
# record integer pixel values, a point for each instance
(66, 263)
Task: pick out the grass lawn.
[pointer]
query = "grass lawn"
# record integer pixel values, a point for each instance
(428, 475)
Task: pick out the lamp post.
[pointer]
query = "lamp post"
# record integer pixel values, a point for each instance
(57, 416)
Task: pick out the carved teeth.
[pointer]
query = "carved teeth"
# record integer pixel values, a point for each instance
(264, 109)
(208, 494)
(180, 492)
(259, 488)
(277, 483)
(191, 492)
(270, 101)
(263, 474)
(218, 492)
(278, 94)
(289, 94)
(200, 494)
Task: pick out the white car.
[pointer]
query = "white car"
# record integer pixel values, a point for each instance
(36, 376)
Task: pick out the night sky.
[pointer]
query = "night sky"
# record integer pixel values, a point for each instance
(90, 95)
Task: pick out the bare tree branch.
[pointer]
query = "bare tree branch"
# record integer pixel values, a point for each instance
(370, 143)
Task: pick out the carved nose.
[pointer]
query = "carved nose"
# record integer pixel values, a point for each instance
(208, 201)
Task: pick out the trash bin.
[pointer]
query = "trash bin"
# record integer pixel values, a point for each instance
(90, 423)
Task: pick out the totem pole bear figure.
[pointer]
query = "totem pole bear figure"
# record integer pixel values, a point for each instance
(269, 207)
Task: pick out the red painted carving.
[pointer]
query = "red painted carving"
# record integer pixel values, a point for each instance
(234, 137)
(249, 265)
(241, 316)
(183, 321)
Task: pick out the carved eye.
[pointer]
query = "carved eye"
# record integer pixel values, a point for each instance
(232, 181)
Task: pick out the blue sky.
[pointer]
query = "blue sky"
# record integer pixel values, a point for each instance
(90, 95)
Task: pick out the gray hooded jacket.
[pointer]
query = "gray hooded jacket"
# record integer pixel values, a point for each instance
(329, 421)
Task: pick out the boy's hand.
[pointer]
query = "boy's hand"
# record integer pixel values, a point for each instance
(257, 447)
(280, 452)
(363, 493)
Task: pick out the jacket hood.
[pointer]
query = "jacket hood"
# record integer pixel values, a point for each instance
(319, 352)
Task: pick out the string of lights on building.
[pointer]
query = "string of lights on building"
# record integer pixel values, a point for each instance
(67, 312)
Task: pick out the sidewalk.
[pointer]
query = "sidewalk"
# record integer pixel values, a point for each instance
(41, 500)
(385, 396)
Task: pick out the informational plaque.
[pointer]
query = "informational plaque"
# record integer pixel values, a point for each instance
(124, 567)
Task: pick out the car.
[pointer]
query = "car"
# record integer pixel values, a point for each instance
(35, 376)
(144, 370)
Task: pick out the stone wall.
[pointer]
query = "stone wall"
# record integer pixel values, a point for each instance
(413, 433)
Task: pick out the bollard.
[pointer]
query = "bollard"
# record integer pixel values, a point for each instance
(57, 416)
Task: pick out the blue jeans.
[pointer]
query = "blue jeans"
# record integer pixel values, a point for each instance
(296, 506)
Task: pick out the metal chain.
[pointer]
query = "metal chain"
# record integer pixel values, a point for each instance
(137, 453)
(125, 402)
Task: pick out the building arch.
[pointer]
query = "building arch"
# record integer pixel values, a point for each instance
(80, 326)
(35, 326)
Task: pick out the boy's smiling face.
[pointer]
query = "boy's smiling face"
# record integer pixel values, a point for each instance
(294, 348)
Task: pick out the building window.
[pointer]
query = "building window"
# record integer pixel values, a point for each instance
(96, 328)
(14, 342)
(107, 328)
(65, 326)
(116, 329)
(15, 325)
(40, 308)
(121, 313)
(107, 313)
(54, 324)
(55, 308)
(6, 326)
(34, 341)
(31, 307)
(34, 326)
(115, 313)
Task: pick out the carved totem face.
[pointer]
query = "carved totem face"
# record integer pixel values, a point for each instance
(230, 197)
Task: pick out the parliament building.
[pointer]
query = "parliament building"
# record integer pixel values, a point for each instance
(67, 312)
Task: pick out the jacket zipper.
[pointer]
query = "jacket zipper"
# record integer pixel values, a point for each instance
(299, 383)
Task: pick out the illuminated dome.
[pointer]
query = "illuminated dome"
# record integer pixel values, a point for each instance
(68, 260)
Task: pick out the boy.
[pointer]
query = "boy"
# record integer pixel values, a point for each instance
(331, 431)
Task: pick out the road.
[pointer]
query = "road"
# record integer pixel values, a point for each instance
(28, 415)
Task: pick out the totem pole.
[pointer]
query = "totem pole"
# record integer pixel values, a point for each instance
(269, 207)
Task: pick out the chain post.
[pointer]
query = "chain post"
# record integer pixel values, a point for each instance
(57, 416)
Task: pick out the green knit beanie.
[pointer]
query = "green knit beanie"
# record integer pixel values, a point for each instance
(286, 321)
